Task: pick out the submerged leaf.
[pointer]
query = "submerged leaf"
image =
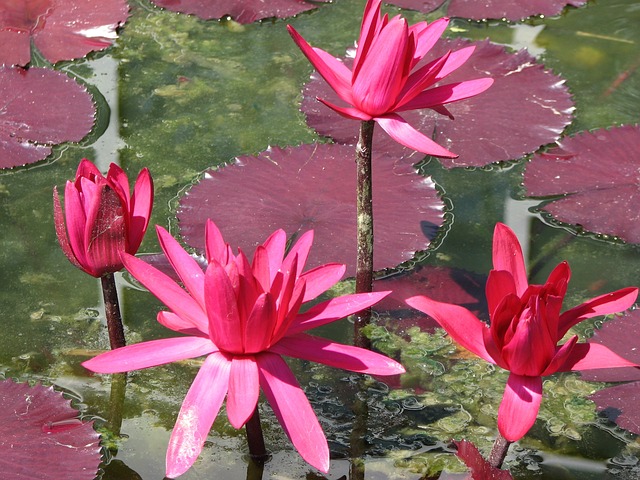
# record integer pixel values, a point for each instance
(41, 436)
(39, 108)
(480, 468)
(314, 187)
(526, 107)
(60, 29)
(596, 176)
(242, 11)
(512, 10)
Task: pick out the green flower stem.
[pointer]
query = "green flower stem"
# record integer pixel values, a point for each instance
(499, 451)
(112, 311)
(255, 439)
(116, 403)
(364, 209)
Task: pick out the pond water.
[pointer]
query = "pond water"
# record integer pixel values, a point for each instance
(186, 95)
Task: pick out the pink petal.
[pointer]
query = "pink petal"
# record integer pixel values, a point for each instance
(76, 220)
(260, 324)
(150, 354)
(215, 247)
(106, 231)
(328, 352)
(459, 322)
(87, 168)
(189, 271)
(421, 79)
(456, 60)
(499, 285)
(322, 278)
(606, 304)
(260, 268)
(141, 206)
(449, 93)
(293, 411)
(427, 37)
(118, 180)
(406, 135)
(225, 327)
(591, 356)
(177, 324)
(244, 389)
(348, 112)
(300, 250)
(61, 229)
(199, 409)
(334, 309)
(334, 76)
(369, 28)
(275, 246)
(520, 406)
(507, 255)
(167, 291)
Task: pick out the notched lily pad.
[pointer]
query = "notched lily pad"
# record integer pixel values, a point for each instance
(40, 429)
(512, 10)
(242, 11)
(526, 107)
(59, 29)
(479, 466)
(596, 176)
(40, 107)
(314, 187)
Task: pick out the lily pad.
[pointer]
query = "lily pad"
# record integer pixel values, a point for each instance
(314, 187)
(40, 107)
(242, 11)
(512, 10)
(619, 403)
(596, 176)
(39, 430)
(526, 107)
(59, 29)
(480, 468)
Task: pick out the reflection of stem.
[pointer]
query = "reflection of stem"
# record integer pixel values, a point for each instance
(499, 451)
(357, 441)
(255, 469)
(112, 311)
(255, 439)
(364, 208)
(116, 402)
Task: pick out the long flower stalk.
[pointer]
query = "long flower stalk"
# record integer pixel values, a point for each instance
(364, 209)
(499, 451)
(112, 311)
(255, 438)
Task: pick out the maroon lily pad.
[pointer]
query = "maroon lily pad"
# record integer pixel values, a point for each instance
(314, 187)
(512, 10)
(40, 108)
(242, 11)
(526, 107)
(480, 468)
(39, 429)
(619, 403)
(60, 29)
(597, 175)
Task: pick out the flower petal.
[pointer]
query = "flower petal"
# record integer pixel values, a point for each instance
(225, 327)
(500, 284)
(449, 93)
(427, 35)
(199, 409)
(606, 304)
(348, 112)
(189, 271)
(520, 406)
(215, 247)
(334, 309)
(244, 389)
(167, 291)
(507, 255)
(328, 352)
(293, 411)
(260, 324)
(140, 211)
(177, 324)
(406, 135)
(299, 253)
(459, 322)
(150, 354)
(591, 356)
(334, 75)
(61, 229)
(320, 279)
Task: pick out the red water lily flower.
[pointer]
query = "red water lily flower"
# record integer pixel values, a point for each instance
(385, 80)
(102, 218)
(526, 326)
(243, 316)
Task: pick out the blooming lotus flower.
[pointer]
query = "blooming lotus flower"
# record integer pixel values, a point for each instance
(526, 326)
(385, 81)
(243, 316)
(102, 218)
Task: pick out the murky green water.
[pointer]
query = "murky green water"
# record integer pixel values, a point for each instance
(186, 95)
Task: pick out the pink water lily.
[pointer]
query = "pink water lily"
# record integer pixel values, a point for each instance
(526, 326)
(101, 219)
(243, 316)
(385, 81)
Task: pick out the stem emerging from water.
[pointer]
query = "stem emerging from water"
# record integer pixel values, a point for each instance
(499, 451)
(112, 311)
(364, 209)
(255, 439)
